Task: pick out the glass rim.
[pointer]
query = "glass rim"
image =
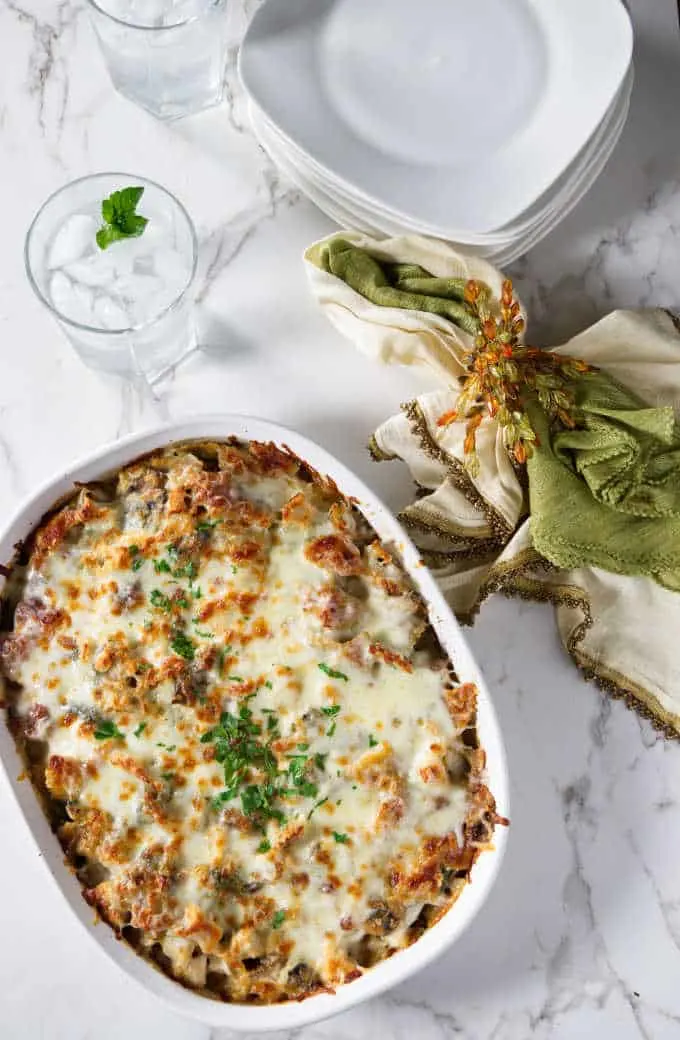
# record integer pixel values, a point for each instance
(136, 25)
(141, 326)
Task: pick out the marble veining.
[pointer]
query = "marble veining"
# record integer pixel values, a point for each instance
(581, 935)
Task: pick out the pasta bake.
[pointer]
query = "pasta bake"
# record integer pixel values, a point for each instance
(250, 744)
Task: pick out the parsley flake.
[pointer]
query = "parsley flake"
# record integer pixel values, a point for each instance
(342, 839)
(137, 563)
(322, 801)
(334, 710)
(201, 631)
(161, 566)
(108, 730)
(264, 846)
(206, 525)
(137, 732)
(332, 673)
(182, 646)
(278, 918)
(331, 729)
(160, 600)
(372, 742)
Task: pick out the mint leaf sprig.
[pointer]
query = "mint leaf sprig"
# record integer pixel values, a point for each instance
(120, 217)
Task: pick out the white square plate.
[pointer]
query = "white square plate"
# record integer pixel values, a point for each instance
(454, 114)
(555, 203)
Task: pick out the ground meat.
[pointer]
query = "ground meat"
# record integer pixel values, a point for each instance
(35, 718)
(336, 611)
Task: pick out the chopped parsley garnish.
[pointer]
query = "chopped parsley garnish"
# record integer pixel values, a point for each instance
(108, 730)
(332, 673)
(237, 749)
(161, 566)
(372, 742)
(166, 747)
(334, 710)
(240, 749)
(160, 600)
(303, 747)
(188, 570)
(224, 652)
(322, 801)
(168, 777)
(331, 729)
(182, 646)
(137, 732)
(120, 217)
(202, 631)
(320, 760)
(257, 801)
(268, 684)
(206, 525)
(342, 839)
(196, 593)
(235, 678)
(137, 560)
(278, 918)
(264, 846)
(297, 767)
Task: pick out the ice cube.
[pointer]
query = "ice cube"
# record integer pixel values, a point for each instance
(70, 300)
(109, 315)
(74, 240)
(83, 304)
(172, 269)
(61, 292)
(96, 271)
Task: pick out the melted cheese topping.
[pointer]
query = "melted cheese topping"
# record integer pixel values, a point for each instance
(269, 777)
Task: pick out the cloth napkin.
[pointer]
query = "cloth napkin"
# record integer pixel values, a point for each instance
(593, 525)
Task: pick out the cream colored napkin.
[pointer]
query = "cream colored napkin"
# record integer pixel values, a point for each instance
(474, 532)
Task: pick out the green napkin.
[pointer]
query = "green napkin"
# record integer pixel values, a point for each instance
(406, 286)
(604, 495)
(608, 493)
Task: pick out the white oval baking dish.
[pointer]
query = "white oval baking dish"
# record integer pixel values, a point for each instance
(407, 962)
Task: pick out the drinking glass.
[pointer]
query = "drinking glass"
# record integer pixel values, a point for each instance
(166, 55)
(128, 308)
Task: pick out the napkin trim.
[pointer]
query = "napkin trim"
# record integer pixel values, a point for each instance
(456, 471)
(512, 578)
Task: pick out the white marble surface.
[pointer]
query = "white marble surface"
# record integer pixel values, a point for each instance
(581, 937)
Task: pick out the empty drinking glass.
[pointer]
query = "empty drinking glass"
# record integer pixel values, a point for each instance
(118, 277)
(166, 55)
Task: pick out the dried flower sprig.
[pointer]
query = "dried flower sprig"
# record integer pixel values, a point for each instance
(502, 372)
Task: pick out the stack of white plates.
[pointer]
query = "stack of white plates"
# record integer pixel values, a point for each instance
(482, 122)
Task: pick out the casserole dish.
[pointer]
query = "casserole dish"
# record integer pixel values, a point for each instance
(258, 1018)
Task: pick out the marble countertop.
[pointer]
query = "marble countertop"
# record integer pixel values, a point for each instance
(581, 935)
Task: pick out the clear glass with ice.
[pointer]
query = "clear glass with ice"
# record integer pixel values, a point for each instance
(166, 55)
(127, 309)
